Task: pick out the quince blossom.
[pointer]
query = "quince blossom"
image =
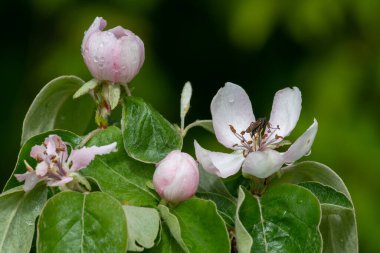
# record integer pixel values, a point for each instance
(55, 166)
(254, 141)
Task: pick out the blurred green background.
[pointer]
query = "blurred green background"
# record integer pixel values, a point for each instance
(329, 49)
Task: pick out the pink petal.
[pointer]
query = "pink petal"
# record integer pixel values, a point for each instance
(262, 164)
(97, 26)
(302, 145)
(220, 164)
(286, 110)
(42, 169)
(30, 178)
(64, 180)
(132, 56)
(231, 106)
(37, 152)
(81, 158)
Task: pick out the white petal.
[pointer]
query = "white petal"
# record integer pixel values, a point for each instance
(81, 158)
(98, 25)
(220, 164)
(302, 145)
(262, 164)
(37, 152)
(231, 106)
(286, 110)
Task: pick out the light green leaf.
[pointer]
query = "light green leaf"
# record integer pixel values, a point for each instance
(148, 136)
(114, 92)
(284, 219)
(206, 124)
(85, 88)
(199, 226)
(185, 102)
(75, 222)
(18, 213)
(143, 226)
(211, 187)
(338, 228)
(24, 153)
(118, 174)
(338, 225)
(54, 108)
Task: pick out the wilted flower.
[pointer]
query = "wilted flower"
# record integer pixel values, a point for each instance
(176, 177)
(55, 166)
(115, 55)
(254, 140)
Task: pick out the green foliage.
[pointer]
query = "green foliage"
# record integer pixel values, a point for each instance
(284, 219)
(148, 136)
(196, 226)
(119, 175)
(76, 222)
(54, 108)
(18, 212)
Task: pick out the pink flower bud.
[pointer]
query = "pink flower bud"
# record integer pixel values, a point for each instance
(115, 55)
(176, 177)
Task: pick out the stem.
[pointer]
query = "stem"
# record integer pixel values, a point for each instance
(125, 85)
(188, 127)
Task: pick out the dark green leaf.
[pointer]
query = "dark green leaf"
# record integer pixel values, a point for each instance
(211, 187)
(143, 227)
(312, 171)
(327, 194)
(75, 222)
(284, 219)
(24, 153)
(18, 213)
(118, 174)
(338, 225)
(167, 244)
(148, 136)
(54, 108)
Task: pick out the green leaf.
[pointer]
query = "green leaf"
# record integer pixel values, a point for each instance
(338, 225)
(200, 226)
(312, 171)
(143, 226)
(18, 213)
(24, 153)
(76, 222)
(284, 219)
(54, 108)
(327, 194)
(148, 136)
(173, 224)
(118, 174)
(211, 187)
(167, 244)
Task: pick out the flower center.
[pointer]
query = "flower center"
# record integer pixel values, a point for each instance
(256, 137)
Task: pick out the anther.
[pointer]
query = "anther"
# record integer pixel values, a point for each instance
(232, 129)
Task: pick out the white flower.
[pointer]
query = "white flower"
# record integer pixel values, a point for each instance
(254, 141)
(55, 166)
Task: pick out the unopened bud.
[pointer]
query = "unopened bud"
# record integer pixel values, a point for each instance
(114, 55)
(176, 177)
